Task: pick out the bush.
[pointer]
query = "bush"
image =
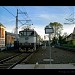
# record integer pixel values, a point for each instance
(69, 45)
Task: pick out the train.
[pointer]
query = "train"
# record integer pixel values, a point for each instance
(29, 40)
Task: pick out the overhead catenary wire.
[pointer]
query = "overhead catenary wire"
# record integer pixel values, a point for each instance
(20, 12)
(27, 20)
(11, 13)
(22, 15)
(70, 18)
(27, 17)
(25, 13)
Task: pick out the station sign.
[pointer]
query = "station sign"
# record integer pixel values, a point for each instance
(48, 30)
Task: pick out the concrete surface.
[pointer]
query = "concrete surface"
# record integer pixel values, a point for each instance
(44, 66)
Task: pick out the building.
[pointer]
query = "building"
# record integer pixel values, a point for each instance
(2, 35)
(71, 37)
(9, 39)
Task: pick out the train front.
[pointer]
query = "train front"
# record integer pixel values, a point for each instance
(26, 39)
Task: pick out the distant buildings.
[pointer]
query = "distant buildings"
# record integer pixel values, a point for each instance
(6, 38)
(9, 38)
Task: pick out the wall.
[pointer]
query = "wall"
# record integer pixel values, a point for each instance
(2, 36)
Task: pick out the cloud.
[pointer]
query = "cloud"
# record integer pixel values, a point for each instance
(68, 28)
(10, 28)
(52, 17)
(44, 16)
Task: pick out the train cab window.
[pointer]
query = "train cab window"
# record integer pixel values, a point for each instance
(30, 33)
(24, 33)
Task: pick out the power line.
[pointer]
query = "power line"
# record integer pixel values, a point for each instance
(21, 12)
(71, 19)
(27, 15)
(9, 11)
(15, 16)
(27, 19)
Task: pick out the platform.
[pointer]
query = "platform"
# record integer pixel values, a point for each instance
(44, 66)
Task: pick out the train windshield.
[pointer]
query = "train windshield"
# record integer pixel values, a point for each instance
(27, 33)
(30, 33)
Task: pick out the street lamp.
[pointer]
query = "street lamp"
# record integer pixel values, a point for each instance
(49, 30)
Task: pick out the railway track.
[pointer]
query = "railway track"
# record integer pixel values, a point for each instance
(12, 61)
(8, 58)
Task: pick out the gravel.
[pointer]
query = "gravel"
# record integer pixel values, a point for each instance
(59, 56)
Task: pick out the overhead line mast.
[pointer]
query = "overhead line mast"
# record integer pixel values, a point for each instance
(17, 26)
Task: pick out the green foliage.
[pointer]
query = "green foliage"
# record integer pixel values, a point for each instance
(57, 27)
(54, 41)
(62, 40)
(59, 41)
(70, 42)
(69, 45)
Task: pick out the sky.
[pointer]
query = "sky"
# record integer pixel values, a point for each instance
(40, 17)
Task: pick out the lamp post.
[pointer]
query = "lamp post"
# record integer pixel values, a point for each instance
(49, 30)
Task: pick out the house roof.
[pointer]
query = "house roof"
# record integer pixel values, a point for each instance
(2, 25)
(71, 33)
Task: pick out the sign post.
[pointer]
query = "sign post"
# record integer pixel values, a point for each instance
(34, 40)
(49, 30)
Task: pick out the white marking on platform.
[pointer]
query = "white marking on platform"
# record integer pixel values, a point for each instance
(24, 66)
(48, 59)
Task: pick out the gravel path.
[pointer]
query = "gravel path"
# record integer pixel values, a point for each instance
(59, 56)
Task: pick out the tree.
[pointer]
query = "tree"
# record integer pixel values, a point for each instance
(57, 28)
(54, 41)
(62, 40)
